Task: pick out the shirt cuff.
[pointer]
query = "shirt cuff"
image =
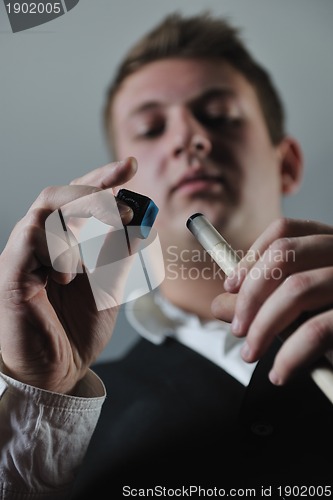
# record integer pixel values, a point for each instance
(44, 436)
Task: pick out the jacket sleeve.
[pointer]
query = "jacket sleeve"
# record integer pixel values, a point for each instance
(44, 437)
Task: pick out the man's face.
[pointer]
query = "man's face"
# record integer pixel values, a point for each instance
(198, 133)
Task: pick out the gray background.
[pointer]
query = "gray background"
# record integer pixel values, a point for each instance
(53, 80)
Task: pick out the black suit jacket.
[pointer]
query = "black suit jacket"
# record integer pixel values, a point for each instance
(173, 418)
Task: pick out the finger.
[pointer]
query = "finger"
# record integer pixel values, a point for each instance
(75, 201)
(54, 197)
(80, 202)
(284, 257)
(311, 340)
(102, 178)
(28, 259)
(110, 175)
(23, 263)
(102, 205)
(223, 306)
(281, 228)
(307, 292)
(65, 254)
(66, 251)
(49, 200)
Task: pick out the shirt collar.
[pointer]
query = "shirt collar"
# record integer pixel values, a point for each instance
(155, 319)
(148, 319)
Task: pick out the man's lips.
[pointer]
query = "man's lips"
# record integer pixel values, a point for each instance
(197, 182)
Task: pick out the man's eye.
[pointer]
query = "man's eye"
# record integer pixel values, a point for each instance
(219, 120)
(151, 132)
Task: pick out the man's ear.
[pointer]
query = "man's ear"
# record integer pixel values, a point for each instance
(291, 165)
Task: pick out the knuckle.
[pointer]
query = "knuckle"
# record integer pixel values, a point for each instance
(36, 216)
(284, 363)
(317, 332)
(281, 227)
(46, 194)
(282, 253)
(247, 301)
(75, 181)
(282, 246)
(27, 235)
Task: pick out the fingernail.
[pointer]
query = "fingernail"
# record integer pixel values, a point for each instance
(133, 161)
(215, 306)
(274, 378)
(235, 326)
(246, 352)
(125, 161)
(110, 171)
(115, 166)
(231, 282)
(124, 210)
(120, 163)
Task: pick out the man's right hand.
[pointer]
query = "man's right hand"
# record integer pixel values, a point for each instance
(50, 328)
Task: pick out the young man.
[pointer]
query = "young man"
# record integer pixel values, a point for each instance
(188, 406)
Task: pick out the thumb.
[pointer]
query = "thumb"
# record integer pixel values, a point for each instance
(223, 306)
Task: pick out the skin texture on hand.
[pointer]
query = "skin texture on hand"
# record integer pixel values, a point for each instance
(51, 330)
(286, 274)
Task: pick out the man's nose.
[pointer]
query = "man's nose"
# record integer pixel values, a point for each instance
(190, 138)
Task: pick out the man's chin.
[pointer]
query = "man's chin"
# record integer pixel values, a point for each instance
(176, 230)
(216, 213)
